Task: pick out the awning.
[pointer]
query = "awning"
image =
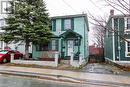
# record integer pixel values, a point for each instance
(70, 34)
(54, 36)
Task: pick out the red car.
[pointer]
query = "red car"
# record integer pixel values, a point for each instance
(5, 55)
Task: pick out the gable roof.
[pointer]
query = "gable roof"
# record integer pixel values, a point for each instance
(65, 34)
(118, 16)
(69, 16)
(73, 16)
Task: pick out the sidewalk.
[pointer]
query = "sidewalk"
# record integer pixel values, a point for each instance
(67, 75)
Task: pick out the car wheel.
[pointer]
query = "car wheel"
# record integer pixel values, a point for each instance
(4, 60)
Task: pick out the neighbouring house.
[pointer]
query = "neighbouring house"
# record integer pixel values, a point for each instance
(70, 40)
(20, 46)
(117, 38)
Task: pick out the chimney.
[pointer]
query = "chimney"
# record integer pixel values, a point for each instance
(111, 12)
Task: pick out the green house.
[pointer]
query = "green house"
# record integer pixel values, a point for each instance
(117, 39)
(70, 39)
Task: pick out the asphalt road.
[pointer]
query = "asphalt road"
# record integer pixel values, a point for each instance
(15, 81)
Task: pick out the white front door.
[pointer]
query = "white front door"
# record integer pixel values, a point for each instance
(70, 47)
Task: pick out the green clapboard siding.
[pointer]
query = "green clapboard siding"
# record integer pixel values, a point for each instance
(121, 28)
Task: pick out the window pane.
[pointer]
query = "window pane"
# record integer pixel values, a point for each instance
(128, 49)
(128, 46)
(128, 26)
(2, 23)
(8, 6)
(67, 24)
(53, 45)
(3, 7)
(128, 23)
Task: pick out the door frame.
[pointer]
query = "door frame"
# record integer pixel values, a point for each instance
(67, 45)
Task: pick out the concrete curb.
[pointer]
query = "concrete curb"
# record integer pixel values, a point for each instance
(42, 76)
(63, 78)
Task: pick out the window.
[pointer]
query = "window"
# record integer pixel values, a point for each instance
(2, 23)
(53, 45)
(128, 23)
(128, 48)
(77, 42)
(4, 6)
(67, 24)
(42, 47)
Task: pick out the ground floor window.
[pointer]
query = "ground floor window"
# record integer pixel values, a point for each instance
(42, 47)
(52, 45)
(128, 48)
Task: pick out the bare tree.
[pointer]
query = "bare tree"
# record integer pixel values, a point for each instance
(122, 6)
(99, 32)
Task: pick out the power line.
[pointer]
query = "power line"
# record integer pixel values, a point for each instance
(69, 6)
(95, 4)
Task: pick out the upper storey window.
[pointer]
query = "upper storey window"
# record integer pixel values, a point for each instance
(67, 24)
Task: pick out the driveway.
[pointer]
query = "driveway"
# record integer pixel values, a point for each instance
(103, 68)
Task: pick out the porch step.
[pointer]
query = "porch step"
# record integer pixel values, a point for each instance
(66, 62)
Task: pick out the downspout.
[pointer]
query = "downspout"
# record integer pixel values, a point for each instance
(84, 38)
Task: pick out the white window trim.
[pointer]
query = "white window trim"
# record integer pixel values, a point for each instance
(6, 5)
(2, 23)
(126, 50)
(125, 20)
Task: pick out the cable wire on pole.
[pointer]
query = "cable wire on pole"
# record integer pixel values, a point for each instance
(69, 6)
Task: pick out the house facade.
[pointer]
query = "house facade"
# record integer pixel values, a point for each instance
(20, 46)
(70, 38)
(117, 39)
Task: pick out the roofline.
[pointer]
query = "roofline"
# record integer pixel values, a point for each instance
(118, 16)
(69, 16)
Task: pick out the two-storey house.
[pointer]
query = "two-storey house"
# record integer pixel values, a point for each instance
(70, 38)
(117, 39)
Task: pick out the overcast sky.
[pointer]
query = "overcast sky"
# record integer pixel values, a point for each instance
(68, 7)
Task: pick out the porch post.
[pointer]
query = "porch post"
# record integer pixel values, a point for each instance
(56, 58)
(80, 59)
(79, 46)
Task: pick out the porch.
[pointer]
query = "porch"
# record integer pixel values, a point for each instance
(68, 45)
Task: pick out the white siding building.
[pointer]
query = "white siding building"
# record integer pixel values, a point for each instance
(20, 46)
